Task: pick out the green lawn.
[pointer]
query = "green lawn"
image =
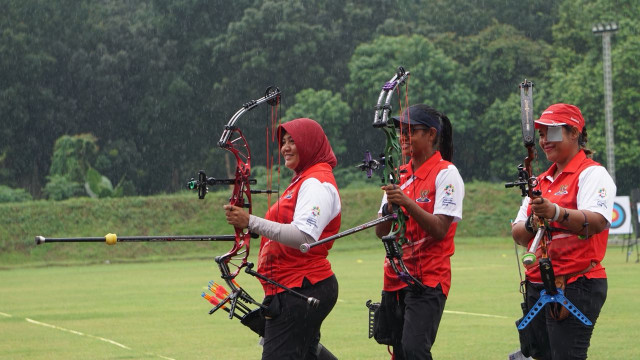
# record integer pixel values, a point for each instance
(154, 310)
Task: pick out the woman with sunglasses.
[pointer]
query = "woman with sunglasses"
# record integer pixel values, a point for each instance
(308, 210)
(430, 192)
(576, 202)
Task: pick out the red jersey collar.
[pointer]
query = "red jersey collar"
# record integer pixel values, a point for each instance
(424, 170)
(571, 167)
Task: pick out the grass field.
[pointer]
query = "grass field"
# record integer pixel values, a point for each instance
(153, 310)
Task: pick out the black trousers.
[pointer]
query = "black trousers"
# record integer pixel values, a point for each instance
(293, 332)
(421, 312)
(569, 338)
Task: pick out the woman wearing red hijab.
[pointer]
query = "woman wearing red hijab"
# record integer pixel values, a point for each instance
(308, 210)
(577, 202)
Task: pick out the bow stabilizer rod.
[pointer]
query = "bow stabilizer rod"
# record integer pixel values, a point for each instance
(306, 247)
(112, 239)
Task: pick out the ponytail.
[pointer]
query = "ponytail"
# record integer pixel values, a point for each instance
(582, 142)
(445, 138)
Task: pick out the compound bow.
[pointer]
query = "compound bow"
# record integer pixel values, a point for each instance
(233, 140)
(389, 161)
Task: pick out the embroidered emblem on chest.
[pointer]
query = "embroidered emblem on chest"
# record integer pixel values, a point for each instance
(424, 197)
(562, 190)
(288, 195)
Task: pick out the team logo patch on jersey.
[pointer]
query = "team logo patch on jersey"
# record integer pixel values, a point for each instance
(562, 190)
(288, 194)
(449, 190)
(424, 197)
(602, 193)
(311, 220)
(315, 211)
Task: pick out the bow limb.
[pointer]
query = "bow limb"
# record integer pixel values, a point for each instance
(234, 141)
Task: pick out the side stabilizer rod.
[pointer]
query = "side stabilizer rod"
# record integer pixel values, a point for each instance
(112, 239)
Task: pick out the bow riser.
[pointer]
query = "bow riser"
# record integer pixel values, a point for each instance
(241, 195)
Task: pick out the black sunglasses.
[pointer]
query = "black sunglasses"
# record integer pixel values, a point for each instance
(409, 130)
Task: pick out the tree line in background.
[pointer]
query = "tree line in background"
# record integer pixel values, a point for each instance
(143, 88)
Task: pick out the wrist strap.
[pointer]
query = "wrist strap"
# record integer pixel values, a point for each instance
(557, 213)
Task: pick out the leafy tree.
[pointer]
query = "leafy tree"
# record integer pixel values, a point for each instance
(156, 80)
(35, 38)
(436, 80)
(467, 17)
(72, 156)
(577, 78)
(499, 57)
(71, 167)
(327, 109)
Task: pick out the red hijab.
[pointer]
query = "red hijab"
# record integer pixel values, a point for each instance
(311, 142)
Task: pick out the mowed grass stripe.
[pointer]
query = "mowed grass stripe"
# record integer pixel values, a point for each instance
(156, 308)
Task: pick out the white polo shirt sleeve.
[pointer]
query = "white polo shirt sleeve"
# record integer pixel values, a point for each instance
(522, 212)
(596, 192)
(449, 193)
(318, 203)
